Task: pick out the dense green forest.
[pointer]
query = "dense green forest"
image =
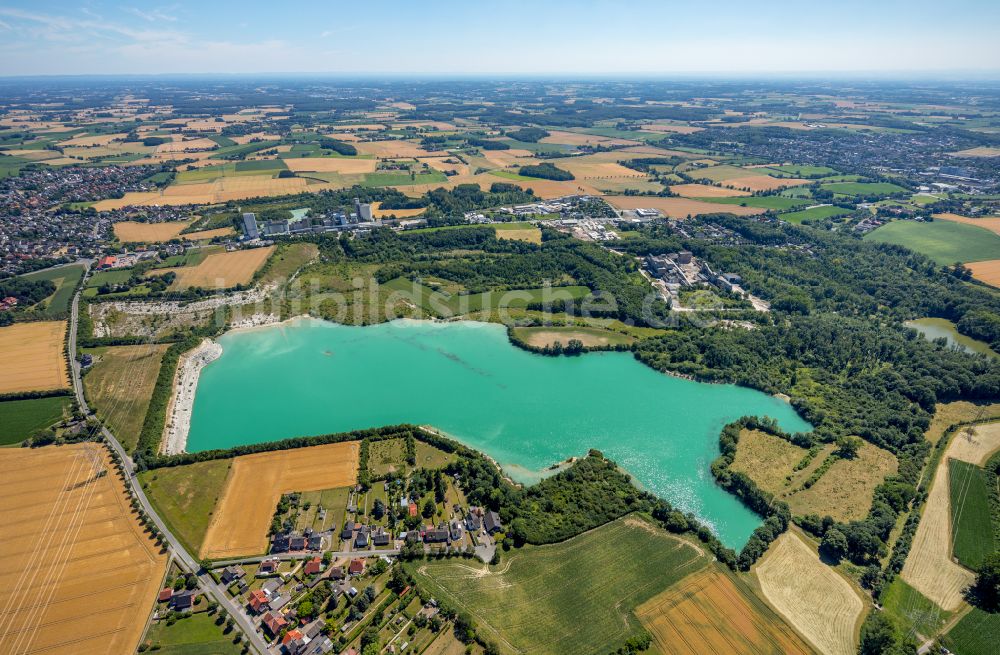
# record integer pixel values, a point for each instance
(546, 171)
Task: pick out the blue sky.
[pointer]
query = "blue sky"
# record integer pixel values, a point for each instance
(515, 36)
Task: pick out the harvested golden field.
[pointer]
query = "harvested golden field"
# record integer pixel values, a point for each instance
(705, 191)
(186, 146)
(987, 272)
(243, 139)
(975, 445)
(81, 573)
(96, 140)
(395, 149)
(671, 128)
(590, 337)
(929, 568)
(814, 598)
(378, 212)
(545, 189)
(528, 234)
(960, 411)
(845, 491)
(220, 270)
(223, 189)
(981, 151)
(344, 165)
(133, 232)
(763, 182)
(709, 612)
(991, 223)
(580, 139)
(255, 484)
(508, 158)
(34, 357)
(446, 164)
(584, 167)
(680, 207)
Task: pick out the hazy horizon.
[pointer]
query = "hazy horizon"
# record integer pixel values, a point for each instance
(594, 38)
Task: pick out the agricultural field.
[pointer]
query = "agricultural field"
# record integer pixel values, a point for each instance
(777, 203)
(133, 232)
(255, 484)
(220, 270)
(192, 634)
(120, 384)
(976, 444)
(865, 188)
(66, 278)
(344, 165)
(814, 598)
(34, 357)
(912, 611)
(815, 214)
(541, 337)
(519, 232)
(970, 513)
(94, 569)
(578, 596)
(186, 496)
(987, 272)
(975, 634)
(943, 241)
(679, 207)
(20, 418)
(844, 492)
(959, 411)
(991, 223)
(929, 568)
(712, 612)
(702, 191)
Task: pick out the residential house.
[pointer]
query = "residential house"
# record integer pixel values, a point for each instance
(267, 568)
(165, 595)
(274, 623)
(492, 522)
(315, 541)
(279, 543)
(337, 573)
(455, 530)
(348, 531)
(313, 566)
(357, 566)
(296, 542)
(182, 601)
(361, 540)
(434, 535)
(259, 601)
(472, 522)
(380, 537)
(231, 574)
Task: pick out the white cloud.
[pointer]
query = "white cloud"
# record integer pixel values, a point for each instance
(151, 16)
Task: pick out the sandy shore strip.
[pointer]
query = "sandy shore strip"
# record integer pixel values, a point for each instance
(182, 402)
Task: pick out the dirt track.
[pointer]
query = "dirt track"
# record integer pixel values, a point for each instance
(79, 574)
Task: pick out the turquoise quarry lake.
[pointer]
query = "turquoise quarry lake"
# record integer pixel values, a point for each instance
(526, 411)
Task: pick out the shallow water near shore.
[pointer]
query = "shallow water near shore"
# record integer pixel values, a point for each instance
(526, 411)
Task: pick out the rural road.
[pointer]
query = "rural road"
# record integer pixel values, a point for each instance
(290, 556)
(216, 592)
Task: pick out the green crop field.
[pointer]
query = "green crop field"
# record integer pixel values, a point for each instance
(864, 188)
(65, 278)
(403, 179)
(911, 610)
(767, 202)
(798, 170)
(118, 276)
(261, 166)
(194, 634)
(574, 597)
(972, 526)
(815, 214)
(942, 241)
(19, 418)
(441, 303)
(976, 634)
(185, 496)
